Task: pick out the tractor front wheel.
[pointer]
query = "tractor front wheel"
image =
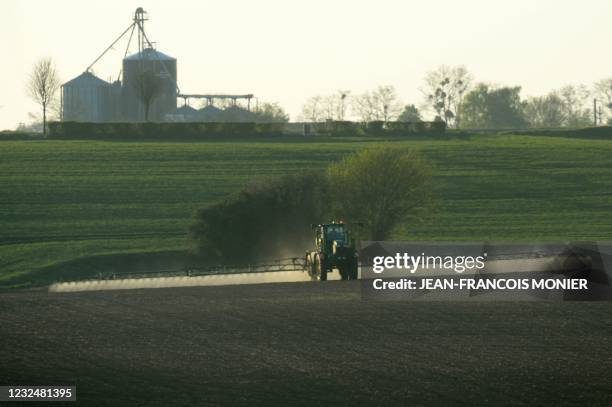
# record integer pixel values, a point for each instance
(343, 270)
(310, 266)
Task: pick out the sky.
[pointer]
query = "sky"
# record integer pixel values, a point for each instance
(286, 51)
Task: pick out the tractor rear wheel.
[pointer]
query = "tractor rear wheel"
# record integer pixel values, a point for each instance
(321, 268)
(353, 270)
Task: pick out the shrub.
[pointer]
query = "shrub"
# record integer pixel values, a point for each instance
(375, 127)
(266, 220)
(438, 127)
(270, 128)
(19, 135)
(381, 187)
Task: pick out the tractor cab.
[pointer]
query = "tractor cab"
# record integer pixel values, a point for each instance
(329, 234)
(334, 249)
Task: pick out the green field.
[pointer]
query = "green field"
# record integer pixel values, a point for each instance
(74, 208)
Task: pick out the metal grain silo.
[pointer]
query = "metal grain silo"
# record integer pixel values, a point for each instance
(86, 99)
(163, 67)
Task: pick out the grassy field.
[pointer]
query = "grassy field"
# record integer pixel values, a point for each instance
(305, 344)
(72, 208)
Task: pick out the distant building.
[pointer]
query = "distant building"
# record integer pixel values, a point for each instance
(88, 98)
(186, 113)
(164, 67)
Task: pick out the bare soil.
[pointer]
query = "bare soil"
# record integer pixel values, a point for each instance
(304, 344)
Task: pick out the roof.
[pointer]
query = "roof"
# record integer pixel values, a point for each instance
(149, 54)
(86, 80)
(210, 109)
(185, 109)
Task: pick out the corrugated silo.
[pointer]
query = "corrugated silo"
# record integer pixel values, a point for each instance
(163, 68)
(86, 99)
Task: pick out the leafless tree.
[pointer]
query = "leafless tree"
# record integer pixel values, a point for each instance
(313, 110)
(365, 107)
(381, 104)
(545, 111)
(444, 90)
(343, 98)
(43, 85)
(328, 107)
(603, 92)
(148, 86)
(575, 101)
(386, 98)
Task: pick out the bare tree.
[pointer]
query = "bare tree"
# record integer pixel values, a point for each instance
(43, 85)
(365, 107)
(313, 109)
(603, 92)
(148, 86)
(575, 101)
(343, 97)
(545, 111)
(386, 99)
(329, 107)
(444, 90)
(381, 104)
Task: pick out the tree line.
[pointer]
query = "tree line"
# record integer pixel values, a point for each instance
(450, 94)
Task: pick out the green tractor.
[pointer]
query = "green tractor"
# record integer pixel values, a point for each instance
(335, 249)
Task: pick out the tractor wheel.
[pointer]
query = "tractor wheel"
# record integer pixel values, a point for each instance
(310, 266)
(321, 268)
(353, 270)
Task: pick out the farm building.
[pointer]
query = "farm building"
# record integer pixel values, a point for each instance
(164, 68)
(88, 98)
(148, 90)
